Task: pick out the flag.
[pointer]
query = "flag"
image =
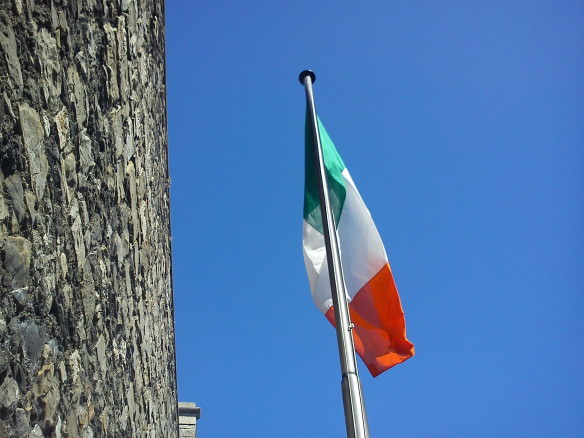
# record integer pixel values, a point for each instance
(379, 331)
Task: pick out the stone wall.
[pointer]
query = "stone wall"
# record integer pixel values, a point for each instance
(86, 322)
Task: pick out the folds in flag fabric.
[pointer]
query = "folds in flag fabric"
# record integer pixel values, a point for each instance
(374, 304)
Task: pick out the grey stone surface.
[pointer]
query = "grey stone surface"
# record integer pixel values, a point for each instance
(188, 414)
(17, 252)
(9, 392)
(8, 44)
(86, 330)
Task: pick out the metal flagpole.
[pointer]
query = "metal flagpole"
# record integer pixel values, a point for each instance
(355, 415)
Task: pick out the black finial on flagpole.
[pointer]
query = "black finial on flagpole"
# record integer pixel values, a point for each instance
(305, 73)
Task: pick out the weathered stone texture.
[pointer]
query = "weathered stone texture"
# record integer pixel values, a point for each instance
(188, 414)
(86, 329)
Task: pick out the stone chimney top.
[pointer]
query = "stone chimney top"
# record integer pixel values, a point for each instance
(188, 414)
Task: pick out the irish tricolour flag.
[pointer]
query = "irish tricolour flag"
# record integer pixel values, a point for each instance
(374, 304)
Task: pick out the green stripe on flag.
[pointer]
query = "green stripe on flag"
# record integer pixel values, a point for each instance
(336, 185)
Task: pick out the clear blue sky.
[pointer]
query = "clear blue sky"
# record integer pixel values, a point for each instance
(462, 124)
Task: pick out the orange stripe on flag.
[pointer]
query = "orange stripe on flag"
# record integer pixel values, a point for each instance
(380, 327)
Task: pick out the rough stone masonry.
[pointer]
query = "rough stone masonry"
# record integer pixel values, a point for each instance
(86, 316)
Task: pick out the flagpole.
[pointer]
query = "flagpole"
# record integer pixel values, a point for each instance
(354, 406)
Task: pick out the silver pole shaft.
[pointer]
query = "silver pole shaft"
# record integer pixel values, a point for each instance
(355, 415)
